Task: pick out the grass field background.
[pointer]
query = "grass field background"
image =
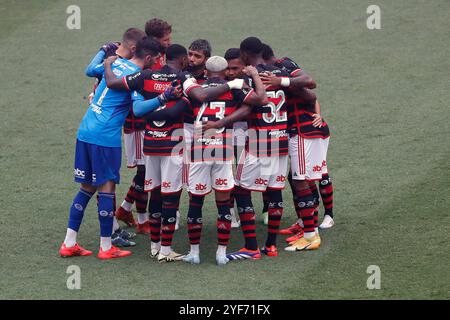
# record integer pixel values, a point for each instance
(385, 94)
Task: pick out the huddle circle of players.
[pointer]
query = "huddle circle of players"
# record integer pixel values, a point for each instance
(233, 125)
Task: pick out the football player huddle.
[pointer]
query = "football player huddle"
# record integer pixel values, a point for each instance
(232, 125)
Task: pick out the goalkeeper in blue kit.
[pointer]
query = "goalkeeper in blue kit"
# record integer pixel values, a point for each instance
(98, 149)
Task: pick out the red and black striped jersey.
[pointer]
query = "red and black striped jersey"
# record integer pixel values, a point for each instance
(300, 119)
(216, 144)
(267, 133)
(132, 122)
(161, 137)
(189, 115)
(288, 65)
(300, 113)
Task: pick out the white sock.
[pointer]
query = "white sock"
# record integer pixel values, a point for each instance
(221, 250)
(71, 238)
(115, 225)
(309, 235)
(155, 245)
(165, 250)
(142, 217)
(126, 205)
(105, 243)
(195, 249)
(316, 229)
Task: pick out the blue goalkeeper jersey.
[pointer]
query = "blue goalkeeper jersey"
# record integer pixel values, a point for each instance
(103, 121)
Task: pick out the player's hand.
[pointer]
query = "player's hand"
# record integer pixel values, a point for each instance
(269, 79)
(317, 122)
(110, 60)
(209, 125)
(171, 93)
(110, 47)
(250, 71)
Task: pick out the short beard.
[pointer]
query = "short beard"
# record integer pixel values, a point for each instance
(195, 69)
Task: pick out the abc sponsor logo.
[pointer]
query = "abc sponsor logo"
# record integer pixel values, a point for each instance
(79, 173)
(281, 178)
(318, 168)
(148, 182)
(166, 185)
(200, 187)
(261, 181)
(221, 182)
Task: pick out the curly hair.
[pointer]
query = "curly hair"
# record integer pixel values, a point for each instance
(157, 28)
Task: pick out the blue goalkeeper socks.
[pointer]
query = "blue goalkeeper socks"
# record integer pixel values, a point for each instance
(76, 213)
(105, 213)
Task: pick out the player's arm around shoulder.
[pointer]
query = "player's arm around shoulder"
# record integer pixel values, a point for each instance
(112, 81)
(258, 96)
(95, 67)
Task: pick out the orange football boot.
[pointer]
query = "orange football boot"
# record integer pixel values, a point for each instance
(74, 251)
(113, 253)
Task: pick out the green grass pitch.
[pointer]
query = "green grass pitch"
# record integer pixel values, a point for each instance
(385, 94)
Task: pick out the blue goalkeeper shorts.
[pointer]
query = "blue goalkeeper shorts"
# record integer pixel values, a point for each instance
(97, 165)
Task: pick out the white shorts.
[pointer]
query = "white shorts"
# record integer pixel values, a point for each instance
(240, 133)
(259, 173)
(188, 134)
(208, 175)
(164, 171)
(308, 157)
(134, 146)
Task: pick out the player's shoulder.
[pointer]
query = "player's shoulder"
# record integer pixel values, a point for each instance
(139, 74)
(279, 72)
(184, 75)
(288, 65)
